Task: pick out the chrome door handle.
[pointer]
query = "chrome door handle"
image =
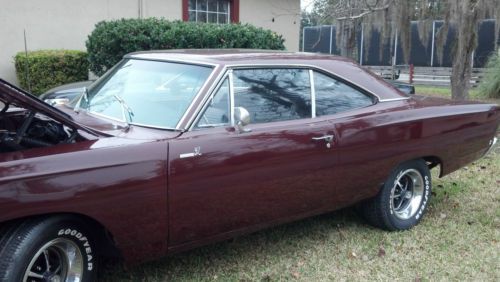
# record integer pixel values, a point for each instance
(327, 138)
(196, 153)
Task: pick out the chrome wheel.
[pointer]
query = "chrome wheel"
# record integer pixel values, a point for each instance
(407, 193)
(58, 260)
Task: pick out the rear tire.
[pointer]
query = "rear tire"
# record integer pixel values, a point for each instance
(403, 199)
(51, 249)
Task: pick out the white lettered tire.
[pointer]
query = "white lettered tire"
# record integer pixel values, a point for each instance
(403, 199)
(58, 248)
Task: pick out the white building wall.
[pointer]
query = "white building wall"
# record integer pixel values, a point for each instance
(65, 24)
(281, 16)
(170, 9)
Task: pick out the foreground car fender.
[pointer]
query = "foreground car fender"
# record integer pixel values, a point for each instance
(98, 180)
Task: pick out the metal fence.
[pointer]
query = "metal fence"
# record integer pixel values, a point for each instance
(322, 39)
(431, 76)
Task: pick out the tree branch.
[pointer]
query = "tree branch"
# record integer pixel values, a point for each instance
(367, 11)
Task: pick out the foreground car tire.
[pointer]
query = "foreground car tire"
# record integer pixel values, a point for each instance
(51, 249)
(403, 199)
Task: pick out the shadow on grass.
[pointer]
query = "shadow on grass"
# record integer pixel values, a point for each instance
(444, 189)
(262, 254)
(287, 240)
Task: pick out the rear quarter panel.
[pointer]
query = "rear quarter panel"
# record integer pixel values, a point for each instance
(373, 141)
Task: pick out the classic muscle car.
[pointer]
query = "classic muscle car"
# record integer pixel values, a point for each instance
(175, 149)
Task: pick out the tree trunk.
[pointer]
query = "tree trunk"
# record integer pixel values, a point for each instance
(466, 43)
(347, 38)
(461, 74)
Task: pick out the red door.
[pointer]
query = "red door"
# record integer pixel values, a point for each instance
(222, 180)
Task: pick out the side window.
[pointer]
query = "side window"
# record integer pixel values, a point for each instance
(217, 112)
(333, 96)
(273, 94)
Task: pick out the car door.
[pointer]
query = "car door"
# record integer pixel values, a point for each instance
(223, 179)
(360, 142)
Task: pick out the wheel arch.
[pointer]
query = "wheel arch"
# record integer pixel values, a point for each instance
(431, 161)
(434, 161)
(104, 238)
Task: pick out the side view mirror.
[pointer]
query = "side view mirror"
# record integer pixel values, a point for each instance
(241, 119)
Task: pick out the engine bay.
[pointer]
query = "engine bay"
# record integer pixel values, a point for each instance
(22, 129)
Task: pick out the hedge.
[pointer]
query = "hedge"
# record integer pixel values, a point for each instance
(110, 40)
(50, 68)
(490, 84)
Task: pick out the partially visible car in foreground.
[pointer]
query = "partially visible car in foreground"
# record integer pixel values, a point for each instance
(392, 77)
(404, 87)
(65, 93)
(175, 149)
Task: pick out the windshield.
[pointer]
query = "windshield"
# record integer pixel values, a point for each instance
(148, 93)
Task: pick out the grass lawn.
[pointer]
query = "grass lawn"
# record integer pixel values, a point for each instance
(458, 239)
(446, 92)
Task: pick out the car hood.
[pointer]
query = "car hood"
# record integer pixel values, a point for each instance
(15, 96)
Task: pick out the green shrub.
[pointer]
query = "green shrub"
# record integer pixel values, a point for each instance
(110, 40)
(50, 68)
(490, 85)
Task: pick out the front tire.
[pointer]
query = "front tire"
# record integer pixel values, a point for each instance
(403, 199)
(52, 249)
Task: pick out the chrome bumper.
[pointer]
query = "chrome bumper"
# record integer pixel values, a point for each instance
(492, 144)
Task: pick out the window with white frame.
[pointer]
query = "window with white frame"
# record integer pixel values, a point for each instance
(209, 11)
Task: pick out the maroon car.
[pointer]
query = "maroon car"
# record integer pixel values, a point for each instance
(175, 149)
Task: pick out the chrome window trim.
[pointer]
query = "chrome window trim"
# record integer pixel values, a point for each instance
(137, 56)
(202, 88)
(313, 104)
(313, 93)
(228, 73)
(206, 104)
(311, 68)
(176, 61)
(231, 97)
(191, 121)
(395, 99)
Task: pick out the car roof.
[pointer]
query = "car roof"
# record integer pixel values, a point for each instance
(230, 56)
(341, 67)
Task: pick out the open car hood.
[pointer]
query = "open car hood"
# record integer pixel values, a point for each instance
(15, 96)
